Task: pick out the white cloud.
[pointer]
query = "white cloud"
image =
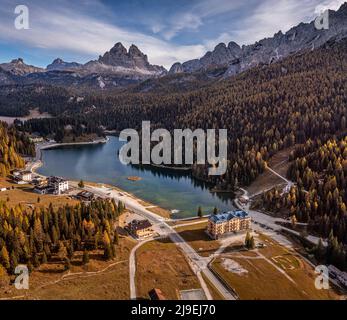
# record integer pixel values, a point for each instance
(186, 21)
(192, 19)
(272, 16)
(224, 37)
(329, 4)
(65, 28)
(84, 35)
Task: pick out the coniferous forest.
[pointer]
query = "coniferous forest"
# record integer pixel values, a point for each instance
(12, 145)
(320, 195)
(33, 237)
(299, 101)
(265, 109)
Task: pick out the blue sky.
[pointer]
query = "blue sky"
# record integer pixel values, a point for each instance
(166, 30)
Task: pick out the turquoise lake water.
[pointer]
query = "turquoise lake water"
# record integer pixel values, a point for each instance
(165, 188)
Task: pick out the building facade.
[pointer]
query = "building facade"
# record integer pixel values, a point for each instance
(222, 224)
(20, 175)
(59, 185)
(140, 228)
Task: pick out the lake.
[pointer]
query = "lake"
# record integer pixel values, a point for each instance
(165, 188)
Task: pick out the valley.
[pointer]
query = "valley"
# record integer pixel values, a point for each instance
(273, 104)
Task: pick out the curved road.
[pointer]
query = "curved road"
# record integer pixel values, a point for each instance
(198, 264)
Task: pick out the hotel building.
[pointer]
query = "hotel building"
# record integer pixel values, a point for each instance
(222, 224)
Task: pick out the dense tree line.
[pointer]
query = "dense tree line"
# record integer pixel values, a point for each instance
(323, 176)
(265, 109)
(18, 100)
(33, 237)
(319, 197)
(335, 253)
(13, 144)
(56, 128)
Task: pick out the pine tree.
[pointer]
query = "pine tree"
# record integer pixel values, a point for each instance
(252, 243)
(116, 238)
(5, 258)
(36, 261)
(293, 220)
(113, 249)
(85, 258)
(81, 184)
(320, 252)
(107, 252)
(44, 258)
(200, 215)
(13, 261)
(67, 264)
(247, 240)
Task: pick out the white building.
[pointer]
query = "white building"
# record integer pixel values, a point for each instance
(22, 175)
(26, 176)
(35, 139)
(59, 185)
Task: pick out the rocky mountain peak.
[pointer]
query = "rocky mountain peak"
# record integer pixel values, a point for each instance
(220, 47)
(118, 49)
(343, 8)
(17, 61)
(269, 50)
(58, 61)
(117, 56)
(134, 59)
(221, 56)
(18, 67)
(233, 46)
(176, 68)
(134, 51)
(60, 64)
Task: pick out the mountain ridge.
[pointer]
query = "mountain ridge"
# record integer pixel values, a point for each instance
(268, 50)
(120, 67)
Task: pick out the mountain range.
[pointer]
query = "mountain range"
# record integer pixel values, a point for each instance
(266, 51)
(120, 67)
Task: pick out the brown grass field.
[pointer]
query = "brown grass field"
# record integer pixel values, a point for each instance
(197, 238)
(266, 280)
(98, 280)
(160, 264)
(267, 180)
(23, 194)
(180, 222)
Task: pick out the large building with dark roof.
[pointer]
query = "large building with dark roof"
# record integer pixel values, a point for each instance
(233, 221)
(140, 228)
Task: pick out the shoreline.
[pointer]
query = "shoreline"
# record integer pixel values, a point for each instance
(178, 169)
(37, 162)
(103, 189)
(66, 144)
(34, 165)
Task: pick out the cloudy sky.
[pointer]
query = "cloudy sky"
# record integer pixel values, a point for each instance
(167, 31)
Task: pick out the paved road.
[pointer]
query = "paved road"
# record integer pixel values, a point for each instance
(197, 263)
(268, 225)
(132, 268)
